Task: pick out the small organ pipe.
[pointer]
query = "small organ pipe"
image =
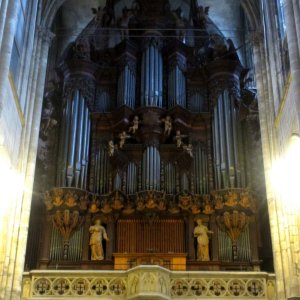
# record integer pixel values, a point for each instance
(79, 137)
(143, 80)
(229, 142)
(66, 144)
(71, 152)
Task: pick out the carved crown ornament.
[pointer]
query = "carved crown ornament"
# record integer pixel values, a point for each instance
(218, 202)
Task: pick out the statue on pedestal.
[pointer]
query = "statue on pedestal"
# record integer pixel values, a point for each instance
(201, 233)
(98, 233)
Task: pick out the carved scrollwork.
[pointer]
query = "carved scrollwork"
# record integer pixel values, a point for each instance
(85, 85)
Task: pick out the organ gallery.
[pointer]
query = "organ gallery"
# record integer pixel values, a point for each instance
(149, 150)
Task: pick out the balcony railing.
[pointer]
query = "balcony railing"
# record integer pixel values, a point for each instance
(147, 282)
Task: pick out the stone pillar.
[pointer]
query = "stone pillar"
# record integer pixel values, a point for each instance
(12, 287)
(293, 46)
(267, 136)
(7, 43)
(3, 11)
(296, 6)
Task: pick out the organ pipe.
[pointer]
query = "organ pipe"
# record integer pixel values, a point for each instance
(74, 143)
(228, 158)
(200, 171)
(152, 77)
(102, 171)
(126, 87)
(151, 169)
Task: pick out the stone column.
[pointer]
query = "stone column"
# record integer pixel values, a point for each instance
(290, 12)
(294, 54)
(18, 258)
(3, 10)
(267, 136)
(7, 44)
(296, 6)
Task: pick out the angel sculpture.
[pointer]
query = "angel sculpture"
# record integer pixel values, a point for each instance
(135, 125)
(168, 125)
(189, 149)
(202, 16)
(123, 22)
(98, 12)
(180, 24)
(123, 136)
(111, 148)
(178, 138)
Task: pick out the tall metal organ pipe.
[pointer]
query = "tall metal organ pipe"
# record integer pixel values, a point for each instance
(200, 171)
(102, 171)
(152, 76)
(151, 169)
(170, 178)
(131, 184)
(176, 87)
(74, 143)
(126, 87)
(227, 144)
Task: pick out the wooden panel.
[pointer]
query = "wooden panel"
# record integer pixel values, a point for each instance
(174, 261)
(142, 236)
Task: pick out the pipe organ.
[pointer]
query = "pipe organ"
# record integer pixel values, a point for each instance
(154, 143)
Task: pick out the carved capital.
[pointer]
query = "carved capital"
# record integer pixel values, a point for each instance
(46, 35)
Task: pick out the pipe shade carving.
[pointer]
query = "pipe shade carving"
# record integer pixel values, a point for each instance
(67, 222)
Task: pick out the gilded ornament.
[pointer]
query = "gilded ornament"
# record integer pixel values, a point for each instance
(231, 199)
(208, 210)
(151, 201)
(57, 197)
(71, 199)
(117, 202)
(94, 206)
(185, 202)
(219, 202)
(245, 200)
(83, 202)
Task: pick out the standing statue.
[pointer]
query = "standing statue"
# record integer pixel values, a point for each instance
(98, 233)
(200, 232)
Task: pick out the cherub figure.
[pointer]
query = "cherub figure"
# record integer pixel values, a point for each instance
(168, 125)
(189, 149)
(111, 148)
(123, 136)
(178, 138)
(135, 125)
(47, 121)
